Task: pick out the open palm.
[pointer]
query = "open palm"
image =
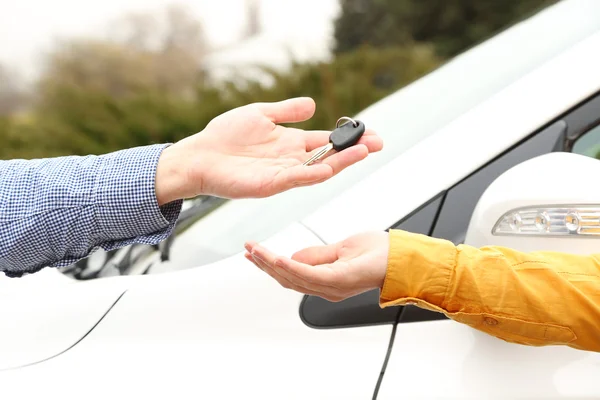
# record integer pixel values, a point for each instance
(245, 153)
(333, 272)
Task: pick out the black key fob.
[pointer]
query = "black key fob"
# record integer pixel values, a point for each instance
(346, 135)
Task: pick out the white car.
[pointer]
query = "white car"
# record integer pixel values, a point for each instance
(511, 124)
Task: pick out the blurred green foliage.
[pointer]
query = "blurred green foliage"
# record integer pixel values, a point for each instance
(98, 96)
(90, 118)
(451, 26)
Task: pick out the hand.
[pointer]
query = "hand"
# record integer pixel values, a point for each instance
(334, 272)
(244, 153)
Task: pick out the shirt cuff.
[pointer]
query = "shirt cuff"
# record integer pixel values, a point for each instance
(125, 198)
(419, 271)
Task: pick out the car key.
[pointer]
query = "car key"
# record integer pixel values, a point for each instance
(340, 138)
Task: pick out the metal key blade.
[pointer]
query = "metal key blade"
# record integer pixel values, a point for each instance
(319, 154)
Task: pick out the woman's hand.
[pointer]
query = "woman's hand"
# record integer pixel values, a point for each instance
(244, 153)
(334, 272)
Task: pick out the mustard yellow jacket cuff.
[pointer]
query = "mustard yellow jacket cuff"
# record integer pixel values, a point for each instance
(535, 299)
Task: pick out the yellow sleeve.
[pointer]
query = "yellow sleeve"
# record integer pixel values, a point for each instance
(536, 299)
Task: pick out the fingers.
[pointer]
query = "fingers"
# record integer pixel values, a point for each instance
(292, 110)
(282, 279)
(317, 254)
(300, 175)
(316, 139)
(368, 143)
(342, 160)
(249, 245)
(373, 142)
(272, 265)
(320, 277)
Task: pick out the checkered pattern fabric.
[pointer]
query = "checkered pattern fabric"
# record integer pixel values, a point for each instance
(56, 211)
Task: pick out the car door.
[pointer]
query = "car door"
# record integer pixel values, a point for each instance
(446, 216)
(37, 329)
(464, 362)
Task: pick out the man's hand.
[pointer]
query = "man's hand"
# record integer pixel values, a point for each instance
(334, 272)
(244, 153)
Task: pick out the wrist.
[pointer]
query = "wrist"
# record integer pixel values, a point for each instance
(125, 180)
(170, 176)
(419, 267)
(382, 261)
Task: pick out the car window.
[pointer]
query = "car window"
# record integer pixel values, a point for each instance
(461, 200)
(589, 143)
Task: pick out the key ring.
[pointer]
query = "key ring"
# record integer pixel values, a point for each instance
(354, 123)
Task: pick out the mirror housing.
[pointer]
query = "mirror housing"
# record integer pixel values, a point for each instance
(547, 203)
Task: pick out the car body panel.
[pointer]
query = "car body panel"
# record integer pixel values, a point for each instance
(477, 365)
(226, 330)
(42, 322)
(455, 361)
(462, 146)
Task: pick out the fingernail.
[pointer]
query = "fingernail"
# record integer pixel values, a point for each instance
(248, 247)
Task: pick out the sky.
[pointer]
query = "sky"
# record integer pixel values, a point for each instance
(28, 28)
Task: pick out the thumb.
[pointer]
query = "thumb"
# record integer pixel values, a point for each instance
(291, 110)
(317, 255)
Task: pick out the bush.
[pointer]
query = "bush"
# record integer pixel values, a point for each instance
(89, 119)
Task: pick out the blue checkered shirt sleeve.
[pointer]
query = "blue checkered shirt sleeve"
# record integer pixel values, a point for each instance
(56, 211)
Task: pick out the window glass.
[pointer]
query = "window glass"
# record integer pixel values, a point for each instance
(462, 199)
(589, 143)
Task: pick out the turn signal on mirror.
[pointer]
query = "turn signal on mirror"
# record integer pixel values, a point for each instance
(565, 220)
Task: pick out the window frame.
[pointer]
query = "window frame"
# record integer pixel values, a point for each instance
(561, 133)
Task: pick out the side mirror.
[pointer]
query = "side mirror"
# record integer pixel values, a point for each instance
(550, 203)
